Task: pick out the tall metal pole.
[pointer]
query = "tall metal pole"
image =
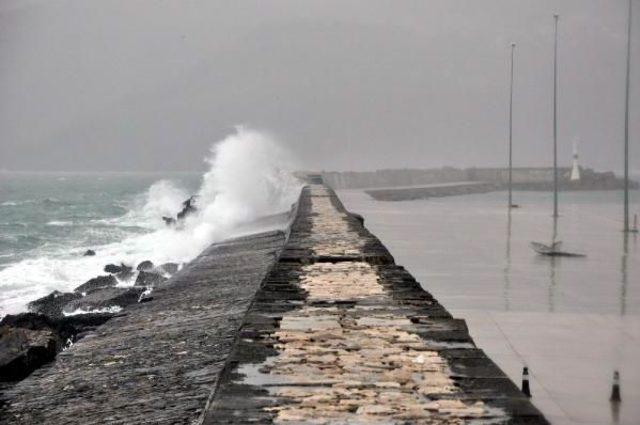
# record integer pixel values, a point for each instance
(513, 46)
(555, 119)
(626, 124)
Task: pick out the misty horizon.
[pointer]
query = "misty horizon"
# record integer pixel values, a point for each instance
(147, 86)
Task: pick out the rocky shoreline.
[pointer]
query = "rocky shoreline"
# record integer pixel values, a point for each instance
(56, 321)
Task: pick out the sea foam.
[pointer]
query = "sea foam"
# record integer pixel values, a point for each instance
(250, 176)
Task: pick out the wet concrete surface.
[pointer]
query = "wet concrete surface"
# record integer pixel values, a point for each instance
(572, 321)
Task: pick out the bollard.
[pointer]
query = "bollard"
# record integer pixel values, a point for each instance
(525, 382)
(615, 388)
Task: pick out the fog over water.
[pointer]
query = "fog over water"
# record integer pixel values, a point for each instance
(148, 85)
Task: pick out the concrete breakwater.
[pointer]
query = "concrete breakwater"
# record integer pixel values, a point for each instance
(338, 333)
(525, 178)
(317, 325)
(157, 362)
(431, 191)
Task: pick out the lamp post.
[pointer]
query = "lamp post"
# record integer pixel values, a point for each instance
(513, 47)
(626, 123)
(555, 119)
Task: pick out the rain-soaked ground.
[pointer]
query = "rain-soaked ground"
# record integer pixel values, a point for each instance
(572, 321)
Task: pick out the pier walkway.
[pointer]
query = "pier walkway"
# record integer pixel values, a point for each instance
(339, 333)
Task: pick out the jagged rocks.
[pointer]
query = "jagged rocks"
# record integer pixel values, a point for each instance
(121, 272)
(29, 340)
(76, 326)
(112, 268)
(105, 298)
(66, 327)
(149, 279)
(97, 283)
(52, 304)
(145, 265)
(115, 269)
(170, 268)
(89, 253)
(187, 208)
(24, 350)
(33, 321)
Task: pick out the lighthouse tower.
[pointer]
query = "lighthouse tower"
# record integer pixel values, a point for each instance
(575, 170)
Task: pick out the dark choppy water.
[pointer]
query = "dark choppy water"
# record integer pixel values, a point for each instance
(47, 221)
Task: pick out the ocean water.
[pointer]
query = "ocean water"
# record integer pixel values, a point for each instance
(48, 221)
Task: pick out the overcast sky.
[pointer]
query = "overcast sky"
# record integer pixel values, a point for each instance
(146, 85)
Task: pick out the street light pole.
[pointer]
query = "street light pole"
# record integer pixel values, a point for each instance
(626, 123)
(555, 120)
(513, 46)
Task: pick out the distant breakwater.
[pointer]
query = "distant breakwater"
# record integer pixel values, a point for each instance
(431, 191)
(532, 178)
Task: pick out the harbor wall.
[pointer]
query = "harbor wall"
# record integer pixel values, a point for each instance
(524, 178)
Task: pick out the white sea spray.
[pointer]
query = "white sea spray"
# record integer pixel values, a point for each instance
(249, 176)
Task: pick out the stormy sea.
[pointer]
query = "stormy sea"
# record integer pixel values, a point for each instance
(49, 221)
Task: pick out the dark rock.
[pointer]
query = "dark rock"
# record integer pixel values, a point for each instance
(112, 268)
(24, 350)
(187, 208)
(66, 327)
(89, 253)
(170, 268)
(169, 221)
(105, 298)
(33, 321)
(125, 275)
(97, 283)
(145, 265)
(69, 327)
(149, 279)
(29, 340)
(52, 304)
(115, 269)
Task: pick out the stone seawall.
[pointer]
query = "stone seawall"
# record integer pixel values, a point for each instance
(540, 178)
(431, 191)
(339, 333)
(159, 361)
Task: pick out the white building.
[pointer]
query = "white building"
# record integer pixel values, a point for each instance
(575, 170)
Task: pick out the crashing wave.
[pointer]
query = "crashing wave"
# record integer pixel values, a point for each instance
(250, 176)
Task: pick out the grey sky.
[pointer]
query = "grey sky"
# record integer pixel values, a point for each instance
(148, 85)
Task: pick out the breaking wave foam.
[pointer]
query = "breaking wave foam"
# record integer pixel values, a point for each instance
(250, 176)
